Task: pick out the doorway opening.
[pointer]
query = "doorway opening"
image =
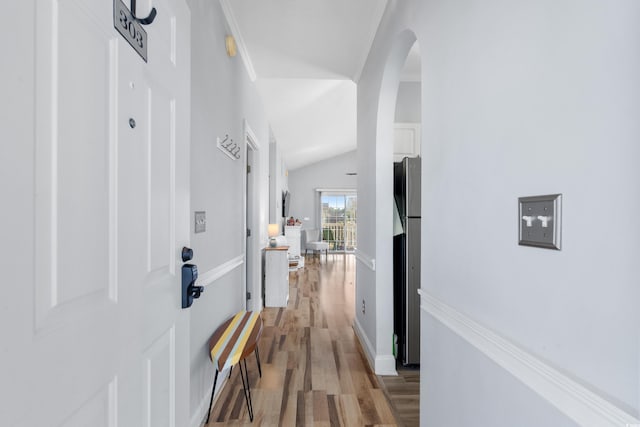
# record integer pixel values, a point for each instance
(407, 211)
(252, 285)
(399, 122)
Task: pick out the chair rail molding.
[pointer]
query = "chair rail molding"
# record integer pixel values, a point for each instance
(216, 273)
(365, 259)
(574, 400)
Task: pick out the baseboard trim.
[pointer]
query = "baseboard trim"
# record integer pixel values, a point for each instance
(198, 419)
(200, 416)
(364, 343)
(570, 397)
(386, 365)
(365, 259)
(216, 273)
(380, 365)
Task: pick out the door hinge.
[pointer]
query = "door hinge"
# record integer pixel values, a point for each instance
(248, 168)
(248, 232)
(248, 295)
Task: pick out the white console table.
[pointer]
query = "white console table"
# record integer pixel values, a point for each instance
(276, 276)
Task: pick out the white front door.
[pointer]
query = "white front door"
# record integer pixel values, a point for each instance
(109, 342)
(165, 90)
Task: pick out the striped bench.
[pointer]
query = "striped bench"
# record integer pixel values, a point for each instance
(230, 344)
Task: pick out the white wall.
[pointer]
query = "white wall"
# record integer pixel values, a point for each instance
(222, 98)
(328, 174)
(466, 373)
(519, 99)
(408, 106)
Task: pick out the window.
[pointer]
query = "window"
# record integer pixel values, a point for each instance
(339, 220)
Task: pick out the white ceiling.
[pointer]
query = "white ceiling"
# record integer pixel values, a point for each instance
(305, 56)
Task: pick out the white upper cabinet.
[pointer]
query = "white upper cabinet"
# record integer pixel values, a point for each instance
(406, 140)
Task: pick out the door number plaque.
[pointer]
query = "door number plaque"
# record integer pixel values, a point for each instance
(130, 28)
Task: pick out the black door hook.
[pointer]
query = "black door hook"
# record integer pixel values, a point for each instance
(144, 21)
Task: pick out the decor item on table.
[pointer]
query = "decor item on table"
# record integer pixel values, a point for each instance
(293, 221)
(273, 231)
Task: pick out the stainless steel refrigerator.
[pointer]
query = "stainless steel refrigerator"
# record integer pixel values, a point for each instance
(406, 260)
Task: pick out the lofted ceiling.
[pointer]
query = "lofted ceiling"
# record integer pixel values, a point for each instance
(305, 57)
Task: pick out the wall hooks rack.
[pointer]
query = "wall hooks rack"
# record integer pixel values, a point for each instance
(228, 147)
(144, 21)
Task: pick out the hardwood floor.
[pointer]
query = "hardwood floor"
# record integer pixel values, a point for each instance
(313, 370)
(403, 391)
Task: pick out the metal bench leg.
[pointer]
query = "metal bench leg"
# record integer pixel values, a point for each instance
(213, 390)
(258, 359)
(247, 388)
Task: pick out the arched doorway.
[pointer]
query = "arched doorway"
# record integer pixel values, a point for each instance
(407, 212)
(399, 144)
(375, 242)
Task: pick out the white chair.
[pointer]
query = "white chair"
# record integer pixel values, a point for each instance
(314, 243)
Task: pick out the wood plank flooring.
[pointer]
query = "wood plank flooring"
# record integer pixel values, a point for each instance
(313, 370)
(403, 391)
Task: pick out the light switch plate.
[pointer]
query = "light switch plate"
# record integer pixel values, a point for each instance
(540, 219)
(200, 221)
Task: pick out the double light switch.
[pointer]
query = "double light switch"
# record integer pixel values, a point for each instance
(540, 221)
